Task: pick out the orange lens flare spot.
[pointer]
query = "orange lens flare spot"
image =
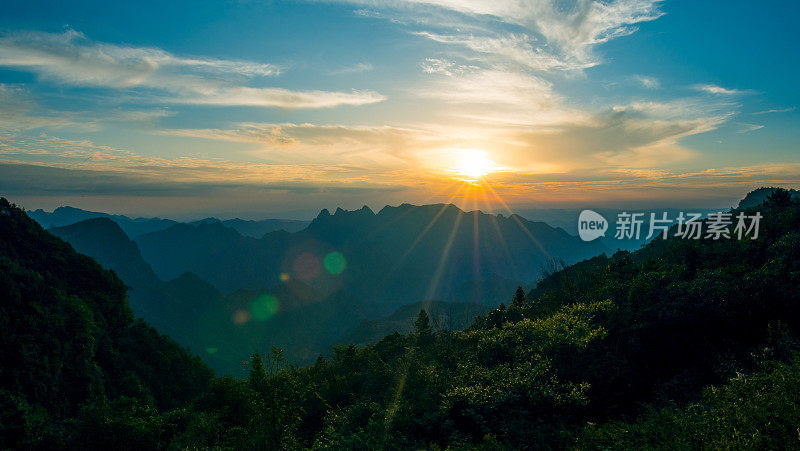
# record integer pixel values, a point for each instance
(306, 266)
(241, 316)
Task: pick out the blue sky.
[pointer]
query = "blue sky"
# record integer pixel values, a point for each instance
(263, 108)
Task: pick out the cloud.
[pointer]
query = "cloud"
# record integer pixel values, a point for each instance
(718, 90)
(747, 128)
(547, 137)
(517, 48)
(381, 150)
(354, 69)
(647, 82)
(18, 179)
(70, 58)
(277, 97)
(558, 35)
(776, 110)
(16, 111)
(19, 111)
(492, 87)
(444, 66)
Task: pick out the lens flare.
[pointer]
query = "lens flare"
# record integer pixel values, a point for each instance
(306, 266)
(335, 263)
(264, 307)
(241, 316)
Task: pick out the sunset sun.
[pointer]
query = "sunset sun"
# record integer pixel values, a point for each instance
(474, 164)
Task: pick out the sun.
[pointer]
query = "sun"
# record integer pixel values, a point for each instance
(474, 164)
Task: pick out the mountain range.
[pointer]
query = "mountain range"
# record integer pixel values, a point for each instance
(134, 227)
(400, 255)
(224, 294)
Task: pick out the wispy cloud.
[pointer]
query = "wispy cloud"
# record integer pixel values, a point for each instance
(776, 110)
(19, 110)
(747, 128)
(558, 36)
(70, 58)
(719, 90)
(647, 82)
(517, 48)
(444, 66)
(353, 69)
(492, 87)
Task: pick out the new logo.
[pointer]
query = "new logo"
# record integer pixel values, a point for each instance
(591, 225)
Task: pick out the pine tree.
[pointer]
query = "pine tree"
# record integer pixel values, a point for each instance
(258, 374)
(422, 326)
(519, 296)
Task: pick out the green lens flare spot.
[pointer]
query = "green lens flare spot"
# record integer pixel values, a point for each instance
(335, 263)
(264, 307)
(212, 350)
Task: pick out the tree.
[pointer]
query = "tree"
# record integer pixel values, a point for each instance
(780, 198)
(519, 297)
(422, 326)
(258, 374)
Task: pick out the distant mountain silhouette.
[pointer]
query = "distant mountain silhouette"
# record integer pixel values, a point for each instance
(104, 240)
(196, 314)
(323, 280)
(400, 255)
(64, 216)
(186, 308)
(258, 229)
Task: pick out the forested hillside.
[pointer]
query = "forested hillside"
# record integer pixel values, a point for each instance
(70, 349)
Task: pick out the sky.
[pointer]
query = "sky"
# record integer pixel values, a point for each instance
(281, 108)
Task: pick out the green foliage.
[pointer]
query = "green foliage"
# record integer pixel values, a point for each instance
(756, 411)
(68, 339)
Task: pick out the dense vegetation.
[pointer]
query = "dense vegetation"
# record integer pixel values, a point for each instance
(682, 344)
(69, 344)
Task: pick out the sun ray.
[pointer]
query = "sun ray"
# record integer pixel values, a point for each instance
(501, 238)
(422, 234)
(514, 217)
(447, 188)
(443, 260)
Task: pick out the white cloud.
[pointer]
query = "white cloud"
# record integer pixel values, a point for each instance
(353, 69)
(493, 87)
(19, 111)
(776, 110)
(719, 90)
(747, 128)
(517, 48)
(444, 66)
(647, 82)
(70, 58)
(568, 31)
(277, 97)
